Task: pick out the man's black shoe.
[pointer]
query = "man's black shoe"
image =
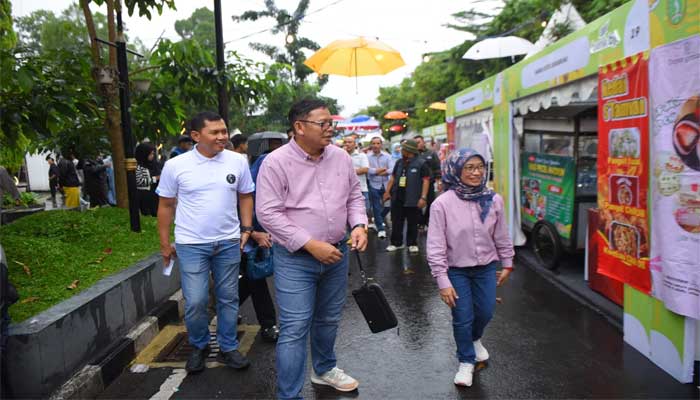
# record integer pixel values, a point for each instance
(270, 334)
(233, 359)
(197, 360)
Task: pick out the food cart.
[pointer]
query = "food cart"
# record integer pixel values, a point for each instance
(558, 178)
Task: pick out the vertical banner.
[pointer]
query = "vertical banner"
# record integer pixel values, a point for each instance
(623, 171)
(675, 110)
(548, 190)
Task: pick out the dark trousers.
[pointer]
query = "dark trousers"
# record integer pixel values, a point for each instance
(399, 214)
(425, 217)
(52, 186)
(148, 202)
(259, 292)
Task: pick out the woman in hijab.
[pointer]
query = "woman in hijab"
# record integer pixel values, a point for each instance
(396, 151)
(467, 240)
(146, 179)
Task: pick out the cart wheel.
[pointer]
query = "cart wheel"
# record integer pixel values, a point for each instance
(546, 243)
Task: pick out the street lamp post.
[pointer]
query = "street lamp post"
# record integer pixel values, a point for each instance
(220, 64)
(127, 137)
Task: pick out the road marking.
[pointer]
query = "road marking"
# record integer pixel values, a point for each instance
(171, 385)
(169, 332)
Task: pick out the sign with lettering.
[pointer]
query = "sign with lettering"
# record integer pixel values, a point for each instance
(548, 190)
(675, 186)
(623, 172)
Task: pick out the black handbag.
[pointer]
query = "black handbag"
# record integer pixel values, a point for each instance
(373, 304)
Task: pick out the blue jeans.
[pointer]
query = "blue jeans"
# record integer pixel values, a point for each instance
(476, 288)
(310, 297)
(375, 197)
(223, 259)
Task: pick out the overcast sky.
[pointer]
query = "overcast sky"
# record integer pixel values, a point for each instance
(411, 27)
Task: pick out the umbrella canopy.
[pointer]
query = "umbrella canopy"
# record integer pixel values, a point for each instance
(360, 118)
(355, 57)
(506, 46)
(267, 135)
(438, 105)
(396, 128)
(337, 118)
(396, 115)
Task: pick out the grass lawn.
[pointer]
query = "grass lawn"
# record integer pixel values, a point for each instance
(49, 251)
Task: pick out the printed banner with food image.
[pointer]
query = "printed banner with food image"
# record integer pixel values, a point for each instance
(623, 171)
(548, 190)
(675, 135)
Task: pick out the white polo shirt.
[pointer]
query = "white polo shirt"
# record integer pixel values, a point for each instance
(360, 160)
(207, 194)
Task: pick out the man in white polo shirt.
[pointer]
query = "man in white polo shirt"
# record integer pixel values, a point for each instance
(204, 186)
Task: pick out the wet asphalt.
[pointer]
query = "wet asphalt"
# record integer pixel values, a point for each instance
(542, 342)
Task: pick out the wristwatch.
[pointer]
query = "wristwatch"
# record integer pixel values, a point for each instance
(424, 198)
(248, 229)
(363, 226)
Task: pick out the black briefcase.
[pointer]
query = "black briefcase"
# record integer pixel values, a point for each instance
(373, 304)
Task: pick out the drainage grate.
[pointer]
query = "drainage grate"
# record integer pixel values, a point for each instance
(179, 348)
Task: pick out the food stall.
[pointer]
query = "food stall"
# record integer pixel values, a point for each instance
(558, 154)
(583, 124)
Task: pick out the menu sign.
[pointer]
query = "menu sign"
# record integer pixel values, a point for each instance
(675, 188)
(548, 190)
(623, 172)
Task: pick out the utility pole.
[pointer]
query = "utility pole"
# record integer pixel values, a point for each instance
(220, 63)
(125, 105)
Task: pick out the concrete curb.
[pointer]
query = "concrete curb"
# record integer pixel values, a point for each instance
(92, 380)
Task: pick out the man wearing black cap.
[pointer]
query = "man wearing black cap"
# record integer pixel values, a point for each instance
(408, 191)
(184, 144)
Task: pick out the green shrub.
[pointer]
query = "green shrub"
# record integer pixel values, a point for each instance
(46, 252)
(26, 199)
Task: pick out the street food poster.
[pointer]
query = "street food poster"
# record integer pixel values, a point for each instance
(547, 190)
(623, 171)
(675, 135)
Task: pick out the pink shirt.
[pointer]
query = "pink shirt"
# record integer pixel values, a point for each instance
(458, 238)
(299, 199)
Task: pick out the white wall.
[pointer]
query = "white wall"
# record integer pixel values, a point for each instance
(37, 172)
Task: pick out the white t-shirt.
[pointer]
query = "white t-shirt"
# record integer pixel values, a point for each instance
(360, 160)
(207, 194)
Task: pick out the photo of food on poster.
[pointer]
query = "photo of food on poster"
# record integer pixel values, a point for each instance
(547, 190)
(623, 171)
(675, 133)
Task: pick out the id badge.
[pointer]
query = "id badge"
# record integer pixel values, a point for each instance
(402, 181)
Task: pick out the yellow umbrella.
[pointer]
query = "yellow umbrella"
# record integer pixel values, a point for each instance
(355, 57)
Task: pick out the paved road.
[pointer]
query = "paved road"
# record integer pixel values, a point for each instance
(543, 344)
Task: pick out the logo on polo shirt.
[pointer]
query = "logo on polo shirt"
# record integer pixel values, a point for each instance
(231, 178)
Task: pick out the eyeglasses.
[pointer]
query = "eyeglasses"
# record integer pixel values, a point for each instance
(323, 124)
(473, 168)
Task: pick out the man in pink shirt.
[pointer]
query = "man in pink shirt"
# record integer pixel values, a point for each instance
(307, 193)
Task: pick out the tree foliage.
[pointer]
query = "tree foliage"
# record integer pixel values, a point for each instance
(293, 51)
(447, 73)
(200, 27)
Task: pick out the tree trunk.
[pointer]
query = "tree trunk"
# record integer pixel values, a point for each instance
(108, 92)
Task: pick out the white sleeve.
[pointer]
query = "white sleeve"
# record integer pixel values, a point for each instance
(364, 161)
(167, 187)
(245, 182)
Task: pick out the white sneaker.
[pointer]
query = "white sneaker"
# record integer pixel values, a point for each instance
(372, 226)
(391, 247)
(413, 249)
(480, 350)
(336, 378)
(465, 375)
(381, 234)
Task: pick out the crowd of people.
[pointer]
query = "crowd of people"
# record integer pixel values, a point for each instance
(299, 209)
(295, 212)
